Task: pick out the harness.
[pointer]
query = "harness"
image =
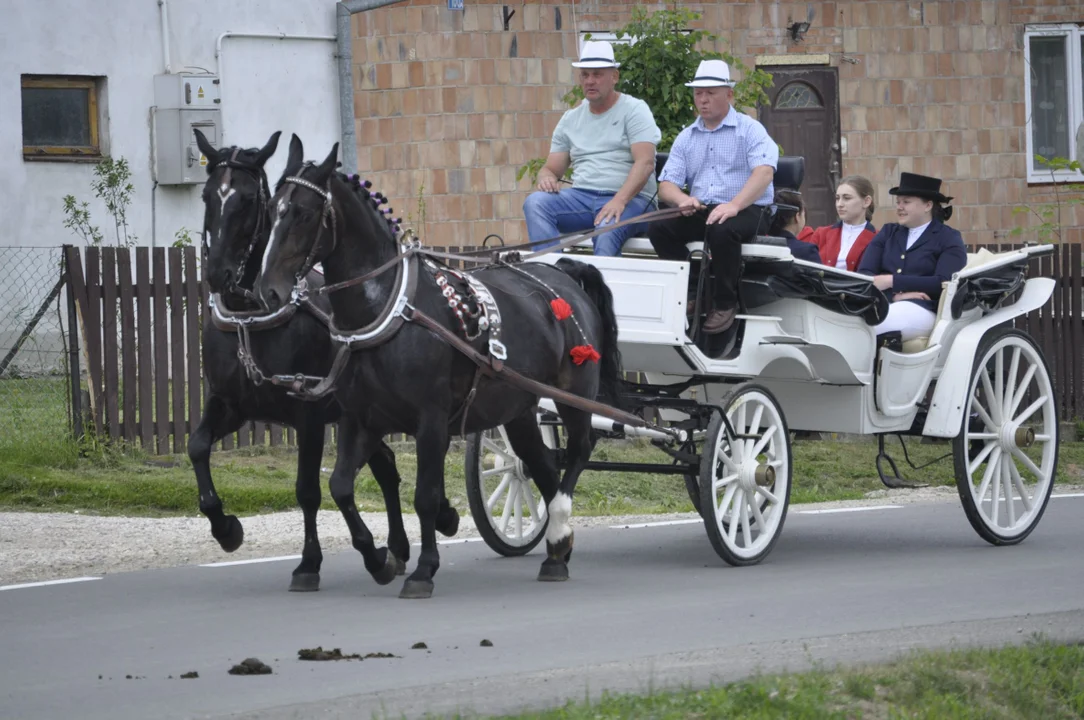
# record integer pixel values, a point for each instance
(473, 307)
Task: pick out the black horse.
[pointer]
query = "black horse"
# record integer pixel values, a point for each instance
(235, 230)
(412, 382)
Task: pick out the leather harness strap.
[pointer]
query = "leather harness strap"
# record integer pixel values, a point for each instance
(524, 383)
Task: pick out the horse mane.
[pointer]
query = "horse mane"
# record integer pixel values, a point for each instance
(361, 188)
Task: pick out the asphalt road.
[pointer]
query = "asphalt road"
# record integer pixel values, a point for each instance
(646, 607)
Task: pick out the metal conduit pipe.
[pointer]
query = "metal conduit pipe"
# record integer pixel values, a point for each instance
(343, 10)
(251, 35)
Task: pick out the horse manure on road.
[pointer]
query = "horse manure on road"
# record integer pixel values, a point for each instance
(250, 666)
(486, 643)
(190, 675)
(318, 653)
(419, 646)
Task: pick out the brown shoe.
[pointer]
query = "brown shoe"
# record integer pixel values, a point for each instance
(718, 321)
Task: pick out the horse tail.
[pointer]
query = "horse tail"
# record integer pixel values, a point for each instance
(592, 282)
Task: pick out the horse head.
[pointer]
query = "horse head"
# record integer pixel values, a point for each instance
(313, 208)
(235, 211)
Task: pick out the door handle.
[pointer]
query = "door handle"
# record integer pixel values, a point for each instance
(834, 173)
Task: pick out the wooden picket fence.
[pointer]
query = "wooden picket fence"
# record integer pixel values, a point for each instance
(148, 388)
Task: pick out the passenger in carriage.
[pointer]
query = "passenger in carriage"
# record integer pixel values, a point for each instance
(789, 218)
(728, 162)
(841, 245)
(609, 139)
(910, 260)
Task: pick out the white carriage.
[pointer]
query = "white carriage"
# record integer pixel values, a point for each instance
(805, 357)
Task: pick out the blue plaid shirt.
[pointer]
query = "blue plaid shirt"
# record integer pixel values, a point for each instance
(717, 163)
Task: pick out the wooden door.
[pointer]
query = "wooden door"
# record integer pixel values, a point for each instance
(803, 118)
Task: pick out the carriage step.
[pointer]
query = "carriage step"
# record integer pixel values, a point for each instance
(783, 340)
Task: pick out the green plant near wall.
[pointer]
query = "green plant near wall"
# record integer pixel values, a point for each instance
(112, 185)
(663, 56)
(1049, 229)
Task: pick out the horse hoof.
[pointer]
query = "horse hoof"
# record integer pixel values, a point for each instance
(233, 536)
(305, 582)
(448, 521)
(386, 574)
(417, 590)
(552, 571)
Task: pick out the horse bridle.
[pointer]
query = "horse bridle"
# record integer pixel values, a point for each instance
(328, 211)
(262, 198)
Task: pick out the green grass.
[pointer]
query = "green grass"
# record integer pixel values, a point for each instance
(33, 411)
(1038, 680)
(257, 480)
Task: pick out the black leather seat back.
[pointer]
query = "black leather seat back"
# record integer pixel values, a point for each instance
(660, 162)
(789, 173)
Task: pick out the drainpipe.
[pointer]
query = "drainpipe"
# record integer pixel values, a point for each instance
(164, 18)
(250, 35)
(343, 10)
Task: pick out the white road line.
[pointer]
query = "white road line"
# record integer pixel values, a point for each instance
(252, 562)
(849, 509)
(630, 526)
(455, 541)
(1065, 495)
(48, 582)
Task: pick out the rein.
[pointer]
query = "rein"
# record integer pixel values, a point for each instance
(501, 255)
(399, 309)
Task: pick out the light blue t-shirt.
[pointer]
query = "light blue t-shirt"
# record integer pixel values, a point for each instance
(601, 145)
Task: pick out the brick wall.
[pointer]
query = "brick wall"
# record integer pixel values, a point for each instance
(448, 104)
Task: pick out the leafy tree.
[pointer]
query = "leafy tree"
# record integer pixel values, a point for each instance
(663, 56)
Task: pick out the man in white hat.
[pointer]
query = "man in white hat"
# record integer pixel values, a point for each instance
(609, 140)
(727, 160)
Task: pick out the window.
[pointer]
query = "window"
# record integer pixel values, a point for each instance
(1054, 95)
(60, 117)
(797, 96)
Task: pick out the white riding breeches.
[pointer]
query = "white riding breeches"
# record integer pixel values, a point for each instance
(908, 318)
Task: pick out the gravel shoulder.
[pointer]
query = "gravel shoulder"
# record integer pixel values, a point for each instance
(49, 546)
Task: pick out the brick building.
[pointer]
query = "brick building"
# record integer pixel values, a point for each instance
(448, 103)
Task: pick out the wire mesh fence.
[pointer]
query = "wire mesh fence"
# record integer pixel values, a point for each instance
(35, 391)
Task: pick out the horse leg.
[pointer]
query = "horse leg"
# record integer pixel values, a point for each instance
(525, 437)
(310, 450)
(559, 535)
(219, 419)
(356, 444)
(382, 464)
(432, 447)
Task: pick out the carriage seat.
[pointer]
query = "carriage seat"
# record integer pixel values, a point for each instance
(976, 259)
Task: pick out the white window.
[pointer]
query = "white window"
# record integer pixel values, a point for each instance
(1054, 95)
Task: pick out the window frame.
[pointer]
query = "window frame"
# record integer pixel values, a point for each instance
(66, 152)
(1073, 34)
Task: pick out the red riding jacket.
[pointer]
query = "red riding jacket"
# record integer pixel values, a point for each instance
(828, 238)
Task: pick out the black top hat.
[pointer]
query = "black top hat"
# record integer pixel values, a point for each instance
(919, 186)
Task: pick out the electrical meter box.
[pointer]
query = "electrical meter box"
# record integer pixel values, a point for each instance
(184, 103)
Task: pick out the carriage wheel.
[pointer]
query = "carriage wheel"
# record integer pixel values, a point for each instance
(507, 508)
(1006, 454)
(745, 479)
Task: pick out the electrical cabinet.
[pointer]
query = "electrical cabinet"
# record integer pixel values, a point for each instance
(183, 103)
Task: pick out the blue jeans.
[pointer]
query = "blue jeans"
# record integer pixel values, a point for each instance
(551, 214)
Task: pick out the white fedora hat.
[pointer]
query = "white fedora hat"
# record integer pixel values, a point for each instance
(712, 73)
(596, 54)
